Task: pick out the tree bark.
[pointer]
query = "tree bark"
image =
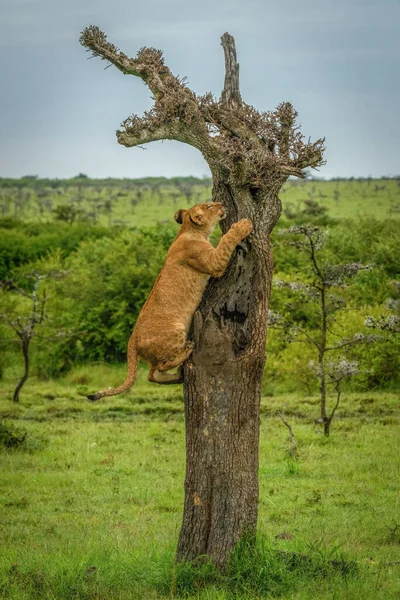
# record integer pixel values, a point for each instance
(222, 390)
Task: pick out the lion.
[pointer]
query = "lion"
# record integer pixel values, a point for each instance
(160, 333)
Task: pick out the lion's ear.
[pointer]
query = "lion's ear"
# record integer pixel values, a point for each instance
(197, 218)
(178, 216)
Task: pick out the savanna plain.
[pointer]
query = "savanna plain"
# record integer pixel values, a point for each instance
(92, 494)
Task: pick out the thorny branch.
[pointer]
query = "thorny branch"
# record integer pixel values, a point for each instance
(260, 148)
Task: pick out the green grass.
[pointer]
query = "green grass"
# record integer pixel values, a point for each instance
(91, 502)
(379, 198)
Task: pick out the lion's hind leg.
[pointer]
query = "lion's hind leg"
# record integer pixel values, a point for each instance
(176, 359)
(158, 372)
(157, 376)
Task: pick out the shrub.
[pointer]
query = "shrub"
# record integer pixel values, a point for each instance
(11, 436)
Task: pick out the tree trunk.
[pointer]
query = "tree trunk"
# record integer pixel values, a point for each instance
(322, 395)
(25, 350)
(222, 392)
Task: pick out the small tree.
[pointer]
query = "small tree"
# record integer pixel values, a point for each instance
(334, 373)
(25, 326)
(319, 287)
(68, 213)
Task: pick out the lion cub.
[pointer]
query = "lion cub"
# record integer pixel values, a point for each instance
(160, 334)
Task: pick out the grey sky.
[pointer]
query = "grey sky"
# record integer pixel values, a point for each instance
(337, 61)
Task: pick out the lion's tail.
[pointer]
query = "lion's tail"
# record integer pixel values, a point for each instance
(133, 361)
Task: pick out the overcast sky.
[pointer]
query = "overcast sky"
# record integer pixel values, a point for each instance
(337, 61)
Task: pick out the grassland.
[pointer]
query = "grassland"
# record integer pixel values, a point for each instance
(143, 202)
(91, 502)
(347, 198)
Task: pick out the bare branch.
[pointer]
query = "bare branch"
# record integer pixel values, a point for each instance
(11, 323)
(276, 321)
(357, 339)
(309, 337)
(134, 135)
(11, 286)
(42, 311)
(293, 452)
(148, 65)
(153, 127)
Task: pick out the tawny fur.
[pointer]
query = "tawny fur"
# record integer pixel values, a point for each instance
(160, 334)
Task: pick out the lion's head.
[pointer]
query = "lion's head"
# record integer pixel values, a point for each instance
(201, 216)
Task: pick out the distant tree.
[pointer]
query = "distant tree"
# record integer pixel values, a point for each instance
(25, 326)
(107, 209)
(156, 191)
(319, 288)
(68, 213)
(307, 211)
(314, 209)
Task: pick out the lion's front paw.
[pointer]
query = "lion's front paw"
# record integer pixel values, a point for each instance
(243, 228)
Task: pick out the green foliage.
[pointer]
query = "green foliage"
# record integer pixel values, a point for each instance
(147, 200)
(100, 508)
(366, 241)
(108, 283)
(22, 243)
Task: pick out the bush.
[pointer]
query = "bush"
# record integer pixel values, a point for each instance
(11, 437)
(108, 283)
(21, 243)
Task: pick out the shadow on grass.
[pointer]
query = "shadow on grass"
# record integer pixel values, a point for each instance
(260, 568)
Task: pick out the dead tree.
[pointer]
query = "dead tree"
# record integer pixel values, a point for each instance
(250, 154)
